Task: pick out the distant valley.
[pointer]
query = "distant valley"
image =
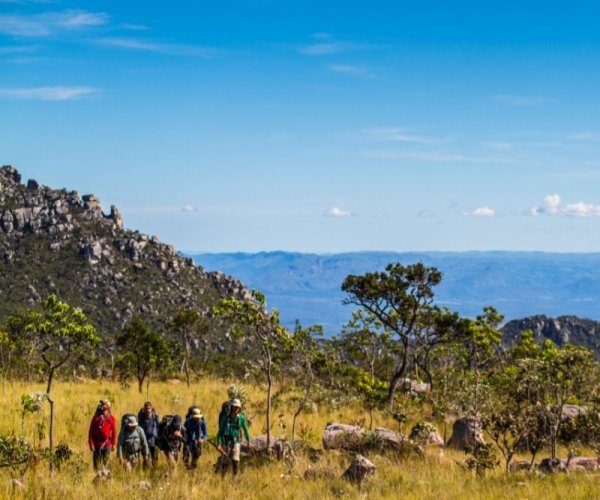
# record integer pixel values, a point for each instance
(308, 286)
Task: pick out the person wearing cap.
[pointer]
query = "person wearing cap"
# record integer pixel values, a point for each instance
(174, 437)
(195, 432)
(102, 436)
(132, 443)
(229, 443)
(149, 420)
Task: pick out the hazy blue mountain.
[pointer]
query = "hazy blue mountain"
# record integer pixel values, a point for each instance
(307, 286)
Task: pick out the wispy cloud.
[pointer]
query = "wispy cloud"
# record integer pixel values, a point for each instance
(337, 212)
(325, 44)
(49, 23)
(585, 136)
(157, 47)
(552, 206)
(520, 100)
(439, 157)
(481, 212)
(188, 207)
(47, 93)
(392, 134)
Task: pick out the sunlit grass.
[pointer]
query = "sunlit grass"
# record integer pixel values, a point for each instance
(436, 476)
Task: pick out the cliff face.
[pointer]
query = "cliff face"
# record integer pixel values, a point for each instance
(561, 330)
(54, 241)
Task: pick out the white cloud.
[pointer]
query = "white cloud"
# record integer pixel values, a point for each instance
(47, 93)
(519, 100)
(160, 48)
(439, 157)
(482, 212)
(498, 145)
(48, 23)
(392, 134)
(552, 206)
(188, 207)
(337, 212)
(581, 209)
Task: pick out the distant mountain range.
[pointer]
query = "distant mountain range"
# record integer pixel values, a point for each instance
(308, 286)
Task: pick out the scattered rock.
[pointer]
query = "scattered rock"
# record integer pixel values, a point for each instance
(426, 432)
(466, 433)
(519, 465)
(360, 469)
(571, 412)
(552, 466)
(583, 463)
(391, 439)
(343, 437)
(145, 485)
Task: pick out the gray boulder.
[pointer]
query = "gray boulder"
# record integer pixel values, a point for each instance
(466, 433)
(552, 466)
(343, 437)
(360, 469)
(583, 464)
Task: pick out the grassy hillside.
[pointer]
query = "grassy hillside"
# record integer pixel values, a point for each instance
(435, 476)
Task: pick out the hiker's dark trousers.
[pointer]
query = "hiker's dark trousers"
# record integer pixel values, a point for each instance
(193, 453)
(100, 457)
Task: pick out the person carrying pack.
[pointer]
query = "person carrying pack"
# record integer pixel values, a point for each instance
(149, 420)
(132, 444)
(229, 444)
(102, 436)
(172, 437)
(195, 432)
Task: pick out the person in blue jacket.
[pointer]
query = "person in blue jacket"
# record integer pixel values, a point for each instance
(195, 433)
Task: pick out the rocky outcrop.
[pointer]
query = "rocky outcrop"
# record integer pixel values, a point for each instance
(55, 241)
(561, 330)
(589, 464)
(343, 437)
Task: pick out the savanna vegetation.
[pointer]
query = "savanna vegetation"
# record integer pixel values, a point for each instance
(402, 362)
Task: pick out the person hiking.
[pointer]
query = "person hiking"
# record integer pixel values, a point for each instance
(149, 420)
(132, 443)
(172, 439)
(102, 436)
(195, 432)
(229, 444)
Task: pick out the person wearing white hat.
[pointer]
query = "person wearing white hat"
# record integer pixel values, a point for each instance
(231, 427)
(132, 443)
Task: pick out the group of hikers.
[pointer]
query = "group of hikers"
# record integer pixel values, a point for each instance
(141, 438)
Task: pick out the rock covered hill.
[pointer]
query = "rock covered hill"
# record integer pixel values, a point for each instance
(561, 330)
(54, 241)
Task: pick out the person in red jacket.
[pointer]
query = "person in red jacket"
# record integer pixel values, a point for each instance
(102, 436)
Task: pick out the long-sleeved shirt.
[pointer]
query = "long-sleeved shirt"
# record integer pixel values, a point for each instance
(195, 429)
(231, 427)
(132, 442)
(103, 431)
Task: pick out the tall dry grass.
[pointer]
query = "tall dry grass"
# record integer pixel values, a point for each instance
(437, 476)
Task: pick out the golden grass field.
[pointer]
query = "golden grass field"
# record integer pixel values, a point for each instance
(437, 476)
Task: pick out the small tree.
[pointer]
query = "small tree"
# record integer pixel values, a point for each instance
(304, 355)
(58, 334)
(253, 319)
(401, 298)
(141, 351)
(190, 326)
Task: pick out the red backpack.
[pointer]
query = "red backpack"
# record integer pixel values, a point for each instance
(101, 428)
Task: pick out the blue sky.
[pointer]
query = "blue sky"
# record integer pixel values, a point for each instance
(314, 126)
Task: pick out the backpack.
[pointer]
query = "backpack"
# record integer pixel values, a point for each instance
(225, 410)
(102, 431)
(132, 443)
(162, 431)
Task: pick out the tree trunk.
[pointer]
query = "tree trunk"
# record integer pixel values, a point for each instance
(396, 378)
(51, 430)
(269, 390)
(140, 385)
(301, 407)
